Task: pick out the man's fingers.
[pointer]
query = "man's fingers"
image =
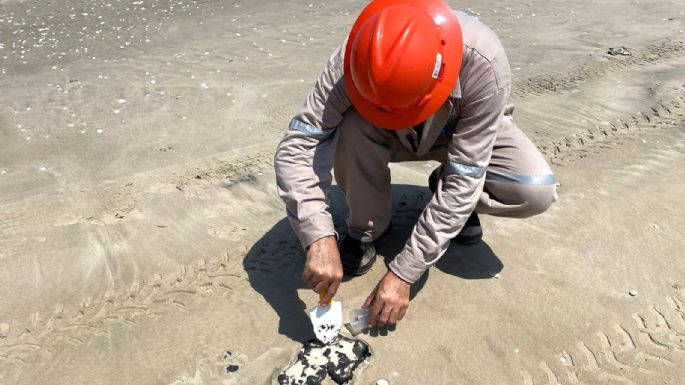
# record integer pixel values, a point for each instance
(403, 311)
(375, 312)
(314, 282)
(330, 293)
(384, 317)
(320, 286)
(307, 275)
(392, 319)
(370, 299)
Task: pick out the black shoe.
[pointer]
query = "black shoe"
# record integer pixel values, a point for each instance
(358, 257)
(471, 233)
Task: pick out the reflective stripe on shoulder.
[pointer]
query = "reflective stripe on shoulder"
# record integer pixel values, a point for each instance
(522, 179)
(309, 130)
(462, 169)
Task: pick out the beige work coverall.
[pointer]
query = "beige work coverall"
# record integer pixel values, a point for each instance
(489, 165)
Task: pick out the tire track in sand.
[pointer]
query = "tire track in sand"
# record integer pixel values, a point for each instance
(656, 53)
(647, 349)
(42, 336)
(666, 114)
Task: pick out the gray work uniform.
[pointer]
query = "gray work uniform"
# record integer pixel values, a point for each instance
(489, 165)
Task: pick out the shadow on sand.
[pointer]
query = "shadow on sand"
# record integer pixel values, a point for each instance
(275, 262)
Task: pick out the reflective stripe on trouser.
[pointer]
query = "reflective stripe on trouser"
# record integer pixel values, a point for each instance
(518, 181)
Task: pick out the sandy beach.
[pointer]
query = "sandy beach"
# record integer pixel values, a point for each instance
(142, 239)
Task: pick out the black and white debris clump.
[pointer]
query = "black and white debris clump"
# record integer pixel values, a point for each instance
(619, 51)
(316, 361)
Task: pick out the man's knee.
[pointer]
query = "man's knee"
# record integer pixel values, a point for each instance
(516, 200)
(537, 198)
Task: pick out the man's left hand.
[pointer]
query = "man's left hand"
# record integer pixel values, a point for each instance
(389, 300)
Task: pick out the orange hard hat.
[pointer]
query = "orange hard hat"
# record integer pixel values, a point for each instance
(402, 60)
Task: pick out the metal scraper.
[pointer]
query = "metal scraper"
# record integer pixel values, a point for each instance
(327, 320)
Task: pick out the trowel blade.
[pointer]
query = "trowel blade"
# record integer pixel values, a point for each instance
(327, 321)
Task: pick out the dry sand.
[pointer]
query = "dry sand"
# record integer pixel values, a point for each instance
(141, 237)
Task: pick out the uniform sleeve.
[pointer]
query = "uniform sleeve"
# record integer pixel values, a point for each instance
(456, 197)
(304, 157)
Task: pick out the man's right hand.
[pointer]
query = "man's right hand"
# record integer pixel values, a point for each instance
(323, 270)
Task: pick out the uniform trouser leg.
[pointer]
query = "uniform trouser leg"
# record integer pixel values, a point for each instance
(361, 171)
(519, 183)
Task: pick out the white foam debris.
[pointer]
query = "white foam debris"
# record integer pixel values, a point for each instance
(338, 360)
(382, 381)
(116, 111)
(633, 293)
(99, 130)
(3, 172)
(42, 168)
(121, 101)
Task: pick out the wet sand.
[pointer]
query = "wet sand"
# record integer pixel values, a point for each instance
(141, 236)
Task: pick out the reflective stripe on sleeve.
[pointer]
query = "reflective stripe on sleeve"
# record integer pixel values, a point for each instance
(462, 169)
(309, 130)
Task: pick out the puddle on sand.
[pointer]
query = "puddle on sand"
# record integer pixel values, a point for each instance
(315, 361)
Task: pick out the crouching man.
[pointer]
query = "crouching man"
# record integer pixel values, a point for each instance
(414, 80)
